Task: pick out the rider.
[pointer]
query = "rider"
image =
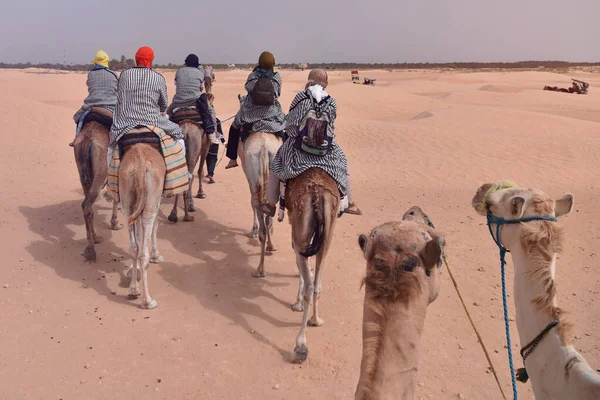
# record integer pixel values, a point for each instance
(291, 161)
(189, 82)
(208, 78)
(142, 100)
(213, 151)
(259, 110)
(102, 88)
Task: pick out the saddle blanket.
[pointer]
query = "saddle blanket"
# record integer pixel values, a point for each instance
(177, 176)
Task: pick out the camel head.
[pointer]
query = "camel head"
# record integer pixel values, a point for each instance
(505, 200)
(402, 259)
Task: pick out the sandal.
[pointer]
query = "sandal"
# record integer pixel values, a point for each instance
(210, 179)
(353, 209)
(232, 164)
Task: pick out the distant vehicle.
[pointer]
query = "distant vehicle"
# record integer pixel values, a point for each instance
(579, 87)
(369, 81)
(231, 66)
(302, 66)
(355, 77)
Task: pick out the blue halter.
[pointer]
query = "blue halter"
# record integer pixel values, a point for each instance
(499, 221)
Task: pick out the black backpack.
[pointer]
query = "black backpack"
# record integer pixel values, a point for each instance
(263, 93)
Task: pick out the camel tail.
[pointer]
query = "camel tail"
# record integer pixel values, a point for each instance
(263, 176)
(318, 236)
(138, 193)
(86, 173)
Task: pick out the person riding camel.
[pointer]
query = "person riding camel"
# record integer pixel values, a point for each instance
(209, 76)
(311, 110)
(260, 110)
(213, 151)
(142, 100)
(189, 82)
(102, 90)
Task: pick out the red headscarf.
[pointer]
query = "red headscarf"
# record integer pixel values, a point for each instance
(144, 57)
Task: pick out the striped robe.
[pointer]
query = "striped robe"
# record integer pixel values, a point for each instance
(141, 98)
(290, 161)
(189, 83)
(102, 91)
(263, 118)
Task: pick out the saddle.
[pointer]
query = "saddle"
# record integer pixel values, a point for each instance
(188, 114)
(140, 134)
(246, 131)
(100, 115)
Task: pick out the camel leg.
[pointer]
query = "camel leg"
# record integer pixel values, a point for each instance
(189, 204)
(269, 230)
(114, 220)
(155, 256)
(262, 236)
(204, 152)
(316, 319)
(301, 349)
(148, 232)
(173, 216)
(135, 238)
(299, 305)
(186, 199)
(88, 215)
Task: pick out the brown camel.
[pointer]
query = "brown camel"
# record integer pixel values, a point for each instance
(402, 279)
(141, 181)
(313, 201)
(91, 147)
(196, 147)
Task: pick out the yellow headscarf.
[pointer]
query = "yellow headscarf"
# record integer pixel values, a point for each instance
(101, 58)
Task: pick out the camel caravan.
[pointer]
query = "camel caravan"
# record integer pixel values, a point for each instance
(132, 143)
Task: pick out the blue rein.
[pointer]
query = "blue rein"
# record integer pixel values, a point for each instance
(499, 221)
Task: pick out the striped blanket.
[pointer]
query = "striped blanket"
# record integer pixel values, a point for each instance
(177, 177)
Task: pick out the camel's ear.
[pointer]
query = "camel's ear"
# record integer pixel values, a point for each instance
(363, 242)
(477, 201)
(517, 206)
(432, 252)
(564, 205)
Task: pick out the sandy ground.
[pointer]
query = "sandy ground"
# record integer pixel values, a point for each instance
(67, 330)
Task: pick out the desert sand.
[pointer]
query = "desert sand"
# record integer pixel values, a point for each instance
(67, 330)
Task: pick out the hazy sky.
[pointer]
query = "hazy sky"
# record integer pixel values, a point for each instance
(222, 31)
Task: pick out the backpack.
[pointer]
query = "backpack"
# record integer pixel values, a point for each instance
(263, 93)
(314, 132)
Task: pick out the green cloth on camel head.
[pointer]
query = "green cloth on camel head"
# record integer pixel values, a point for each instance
(503, 184)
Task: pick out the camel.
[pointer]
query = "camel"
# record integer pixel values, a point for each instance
(91, 147)
(312, 200)
(196, 147)
(141, 181)
(256, 155)
(402, 279)
(556, 369)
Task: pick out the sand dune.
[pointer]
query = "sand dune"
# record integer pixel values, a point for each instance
(417, 138)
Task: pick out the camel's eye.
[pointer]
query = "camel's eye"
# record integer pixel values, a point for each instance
(411, 213)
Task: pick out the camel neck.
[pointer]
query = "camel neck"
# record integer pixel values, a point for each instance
(554, 366)
(391, 347)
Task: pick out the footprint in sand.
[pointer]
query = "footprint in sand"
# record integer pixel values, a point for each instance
(423, 115)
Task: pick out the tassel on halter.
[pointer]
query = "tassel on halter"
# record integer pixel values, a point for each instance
(522, 375)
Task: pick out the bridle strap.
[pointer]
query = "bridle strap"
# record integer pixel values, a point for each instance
(530, 347)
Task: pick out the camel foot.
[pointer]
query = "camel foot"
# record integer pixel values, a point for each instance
(116, 226)
(98, 239)
(130, 274)
(90, 254)
(188, 218)
(200, 195)
(315, 322)
(259, 274)
(301, 353)
(253, 234)
(172, 218)
(150, 306)
(133, 293)
(191, 209)
(271, 248)
(299, 306)
(157, 259)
